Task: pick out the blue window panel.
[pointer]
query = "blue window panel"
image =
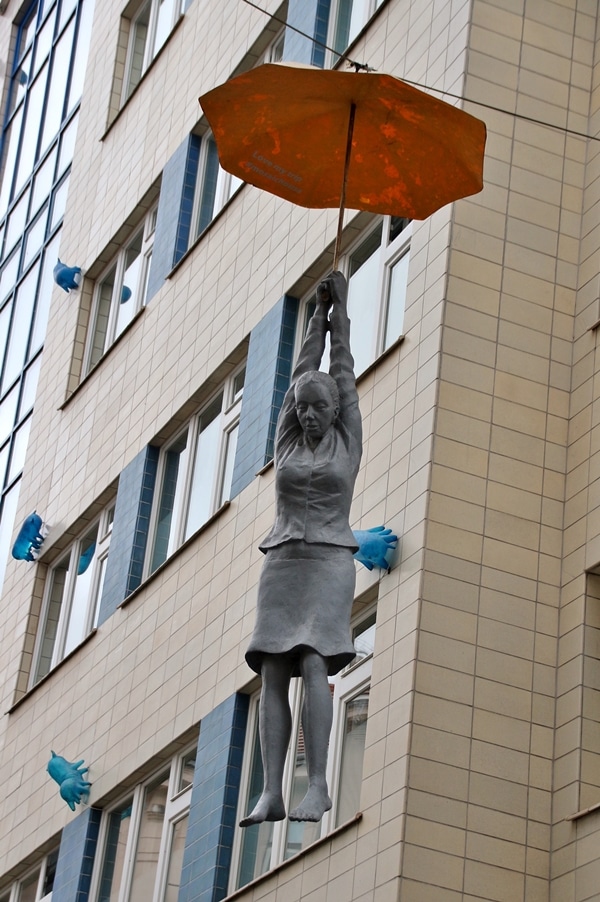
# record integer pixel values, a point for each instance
(213, 808)
(268, 373)
(174, 215)
(76, 857)
(310, 17)
(129, 532)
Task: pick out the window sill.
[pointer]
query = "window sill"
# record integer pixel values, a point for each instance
(51, 672)
(584, 811)
(145, 582)
(238, 893)
(96, 366)
(151, 65)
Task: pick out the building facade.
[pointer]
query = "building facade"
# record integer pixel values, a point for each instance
(464, 757)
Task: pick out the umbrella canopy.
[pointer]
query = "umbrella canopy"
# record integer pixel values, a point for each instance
(313, 135)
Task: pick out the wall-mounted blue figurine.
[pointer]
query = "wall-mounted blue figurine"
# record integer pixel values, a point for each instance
(73, 788)
(29, 538)
(67, 277)
(375, 547)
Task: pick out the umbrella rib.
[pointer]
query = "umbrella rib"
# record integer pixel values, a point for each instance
(338, 238)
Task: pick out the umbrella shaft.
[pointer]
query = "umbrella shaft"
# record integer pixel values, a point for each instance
(338, 238)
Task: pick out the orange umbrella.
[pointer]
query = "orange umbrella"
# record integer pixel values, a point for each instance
(328, 138)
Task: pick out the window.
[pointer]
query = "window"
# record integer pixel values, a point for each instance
(214, 186)
(346, 20)
(142, 838)
(195, 471)
(37, 884)
(149, 27)
(377, 272)
(121, 291)
(72, 596)
(259, 848)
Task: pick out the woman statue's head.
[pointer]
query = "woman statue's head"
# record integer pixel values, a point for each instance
(317, 403)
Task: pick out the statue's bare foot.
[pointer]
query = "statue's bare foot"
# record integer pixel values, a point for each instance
(313, 806)
(269, 807)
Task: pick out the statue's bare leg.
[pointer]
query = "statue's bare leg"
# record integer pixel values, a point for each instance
(275, 724)
(317, 714)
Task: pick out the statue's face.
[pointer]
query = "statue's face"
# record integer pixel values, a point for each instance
(315, 409)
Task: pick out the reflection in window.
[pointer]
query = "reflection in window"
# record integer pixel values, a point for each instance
(195, 471)
(121, 292)
(214, 186)
(149, 28)
(260, 847)
(142, 840)
(72, 596)
(347, 19)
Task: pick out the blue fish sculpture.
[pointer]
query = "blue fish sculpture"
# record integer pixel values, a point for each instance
(67, 277)
(73, 788)
(375, 547)
(29, 538)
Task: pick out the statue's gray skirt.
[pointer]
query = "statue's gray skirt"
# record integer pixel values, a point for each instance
(305, 597)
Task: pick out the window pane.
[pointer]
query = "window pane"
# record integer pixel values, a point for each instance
(8, 412)
(231, 446)
(44, 296)
(98, 592)
(43, 182)
(257, 840)
(11, 142)
(29, 387)
(362, 303)
(78, 627)
(188, 766)
(61, 59)
(20, 326)
(9, 275)
(148, 843)
(208, 187)
(67, 145)
(7, 522)
(130, 290)
(170, 500)
(16, 222)
(363, 637)
(50, 874)
(35, 237)
(81, 54)
(176, 860)
(28, 888)
(299, 834)
(353, 750)
(104, 295)
(166, 11)
(206, 461)
(137, 47)
(59, 203)
(119, 823)
(58, 579)
(19, 449)
(31, 129)
(44, 40)
(396, 301)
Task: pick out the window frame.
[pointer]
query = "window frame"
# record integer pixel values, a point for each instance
(150, 49)
(226, 187)
(229, 418)
(73, 552)
(336, 52)
(391, 251)
(118, 265)
(177, 807)
(12, 893)
(347, 685)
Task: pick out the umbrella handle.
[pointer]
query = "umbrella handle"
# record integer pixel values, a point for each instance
(338, 237)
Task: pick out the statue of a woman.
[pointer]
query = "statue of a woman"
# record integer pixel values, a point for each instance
(307, 582)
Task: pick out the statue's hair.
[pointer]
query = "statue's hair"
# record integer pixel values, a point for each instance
(324, 379)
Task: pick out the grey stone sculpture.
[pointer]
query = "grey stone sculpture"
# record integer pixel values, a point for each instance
(306, 587)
